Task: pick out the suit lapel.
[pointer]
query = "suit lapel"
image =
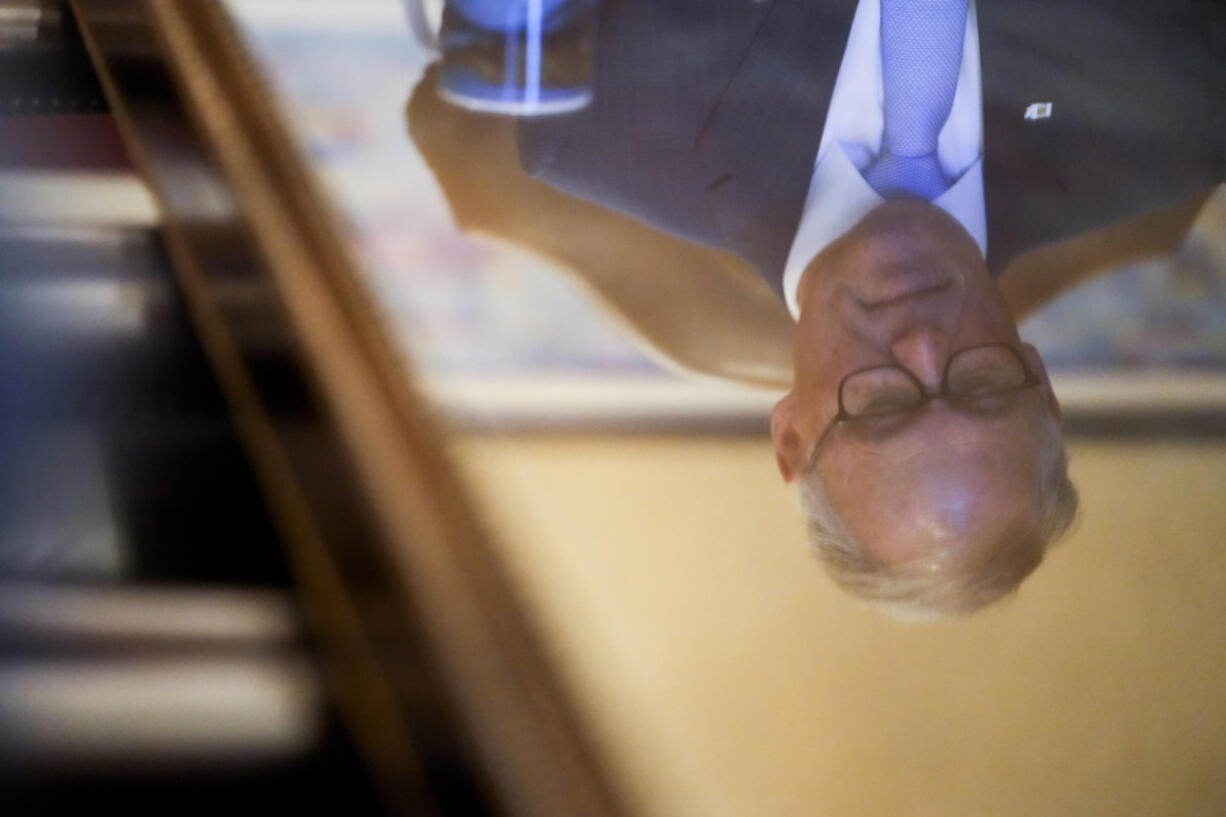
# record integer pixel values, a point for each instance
(757, 146)
(1132, 125)
(661, 69)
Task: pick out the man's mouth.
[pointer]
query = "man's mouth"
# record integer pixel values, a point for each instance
(905, 291)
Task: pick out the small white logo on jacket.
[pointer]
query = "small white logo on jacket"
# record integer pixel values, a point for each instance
(1039, 110)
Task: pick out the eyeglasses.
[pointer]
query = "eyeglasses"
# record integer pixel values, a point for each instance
(972, 375)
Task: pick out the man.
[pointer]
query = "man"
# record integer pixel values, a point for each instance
(923, 434)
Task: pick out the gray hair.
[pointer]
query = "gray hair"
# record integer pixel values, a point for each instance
(924, 595)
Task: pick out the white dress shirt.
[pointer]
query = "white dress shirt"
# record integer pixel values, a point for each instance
(838, 195)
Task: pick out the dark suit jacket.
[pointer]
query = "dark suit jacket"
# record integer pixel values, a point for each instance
(707, 116)
(701, 309)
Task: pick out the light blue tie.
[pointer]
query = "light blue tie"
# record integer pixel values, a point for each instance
(921, 52)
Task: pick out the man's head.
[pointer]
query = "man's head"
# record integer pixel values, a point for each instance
(927, 504)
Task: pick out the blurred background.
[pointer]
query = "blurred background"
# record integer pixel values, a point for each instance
(154, 643)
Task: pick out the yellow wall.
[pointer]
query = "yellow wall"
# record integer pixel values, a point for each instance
(723, 675)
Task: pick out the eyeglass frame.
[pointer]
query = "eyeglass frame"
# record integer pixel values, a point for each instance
(926, 397)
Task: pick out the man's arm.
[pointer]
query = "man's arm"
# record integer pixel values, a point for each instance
(1036, 277)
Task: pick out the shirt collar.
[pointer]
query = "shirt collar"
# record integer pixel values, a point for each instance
(839, 197)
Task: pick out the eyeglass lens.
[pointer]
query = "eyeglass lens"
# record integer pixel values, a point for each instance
(982, 370)
(985, 370)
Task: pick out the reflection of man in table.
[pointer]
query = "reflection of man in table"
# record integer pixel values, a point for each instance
(922, 433)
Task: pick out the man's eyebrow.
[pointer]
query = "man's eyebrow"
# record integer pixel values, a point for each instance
(881, 428)
(890, 426)
(997, 404)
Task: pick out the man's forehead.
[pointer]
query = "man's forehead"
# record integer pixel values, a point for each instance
(950, 477)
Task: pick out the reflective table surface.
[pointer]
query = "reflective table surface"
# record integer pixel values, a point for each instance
(576, 266)
(611, 416)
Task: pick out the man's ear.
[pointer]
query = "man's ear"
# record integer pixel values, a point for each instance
(1049, 396)
(789, 447)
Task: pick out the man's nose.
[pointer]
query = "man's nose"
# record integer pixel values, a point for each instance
(923, 350)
